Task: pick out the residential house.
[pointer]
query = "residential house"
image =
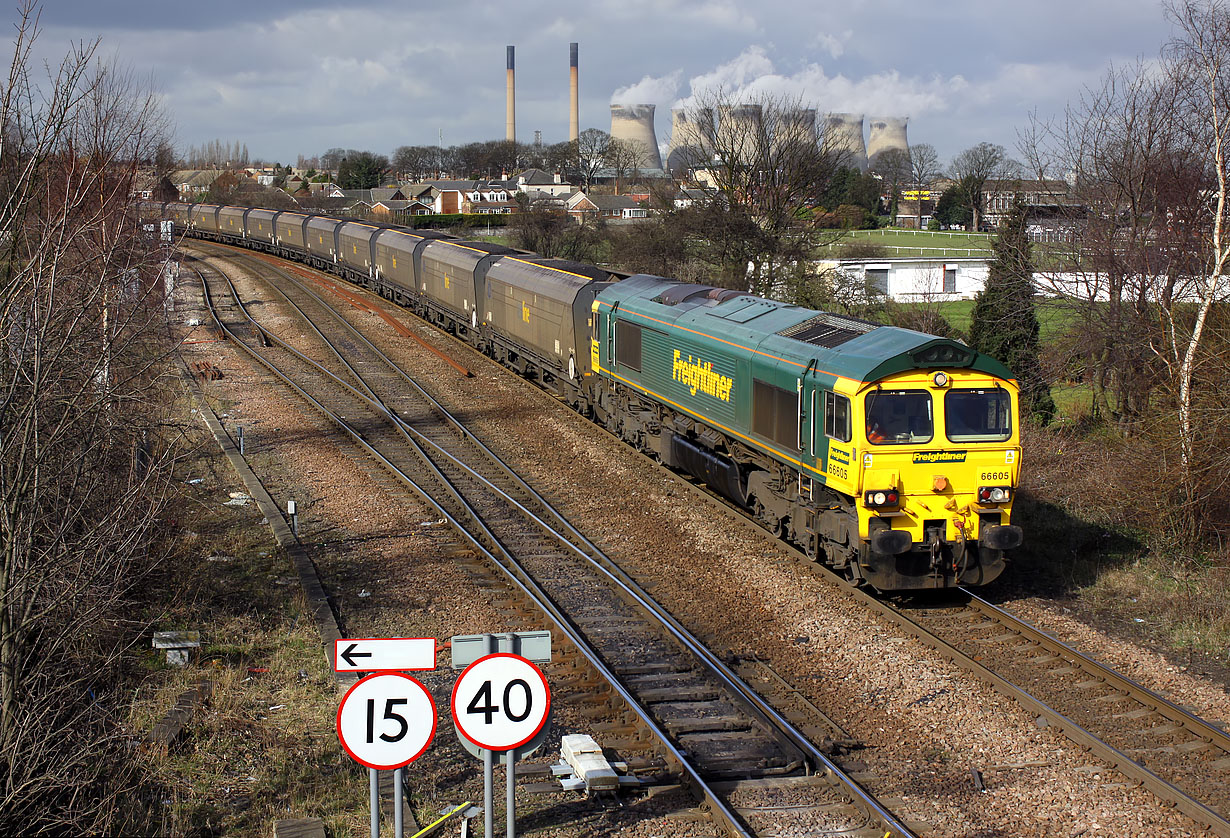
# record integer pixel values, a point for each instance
(488, 200)
(396, 211)
(193, 183)
(547, 200)
(1040, 196)
(686, 197)
(446, 196)
(539, 181)
(608, 207)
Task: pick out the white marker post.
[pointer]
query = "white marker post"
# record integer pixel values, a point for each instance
(386, 721)
(292, 510)
(500, 702)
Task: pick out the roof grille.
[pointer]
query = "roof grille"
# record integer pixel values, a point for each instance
(827, 330)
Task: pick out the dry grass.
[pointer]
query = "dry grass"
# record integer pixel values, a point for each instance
(1098, 528)
(265, 747)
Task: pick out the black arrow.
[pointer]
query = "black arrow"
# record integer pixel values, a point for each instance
(349, 654)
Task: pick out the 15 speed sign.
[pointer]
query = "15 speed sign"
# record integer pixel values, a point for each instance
(386, 721)
(501, 702)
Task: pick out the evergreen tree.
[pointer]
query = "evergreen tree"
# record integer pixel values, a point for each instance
(1004, 324)
(361, 170)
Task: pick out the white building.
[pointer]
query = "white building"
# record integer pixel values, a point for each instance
(916, 279)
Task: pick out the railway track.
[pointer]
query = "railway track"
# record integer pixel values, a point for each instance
(1178, 756)
(1181, 758)
(709, 723)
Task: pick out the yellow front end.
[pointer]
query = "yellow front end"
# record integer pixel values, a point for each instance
(938, 466)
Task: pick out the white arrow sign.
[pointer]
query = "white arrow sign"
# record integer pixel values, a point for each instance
(384, 654)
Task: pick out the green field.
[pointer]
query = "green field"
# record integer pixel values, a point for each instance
(915, 243)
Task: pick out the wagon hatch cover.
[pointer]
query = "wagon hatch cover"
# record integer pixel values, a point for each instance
(828, 330)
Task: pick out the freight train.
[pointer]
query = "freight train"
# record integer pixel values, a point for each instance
(888, 454)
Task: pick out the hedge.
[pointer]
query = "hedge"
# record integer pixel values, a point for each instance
(444, 222)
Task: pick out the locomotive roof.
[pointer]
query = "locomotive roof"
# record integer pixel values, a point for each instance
(831, 343)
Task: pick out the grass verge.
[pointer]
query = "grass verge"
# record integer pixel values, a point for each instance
(1093, 541)
(264, 748)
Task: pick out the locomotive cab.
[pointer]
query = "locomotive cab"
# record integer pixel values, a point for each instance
(938, 475)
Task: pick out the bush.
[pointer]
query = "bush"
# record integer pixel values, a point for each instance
(922, 319)
(863, 250)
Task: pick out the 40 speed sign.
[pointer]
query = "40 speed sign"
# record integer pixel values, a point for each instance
(500, 702)
(386, 721)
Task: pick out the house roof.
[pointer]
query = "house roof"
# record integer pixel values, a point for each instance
(613, 202)
(535, 177)
(1025, 185)
(417, 190)
(196, 177)
(388, 194)
(452, 185)
(533, 195)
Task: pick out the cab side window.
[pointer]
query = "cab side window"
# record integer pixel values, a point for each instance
(836, 417)
(628, 344)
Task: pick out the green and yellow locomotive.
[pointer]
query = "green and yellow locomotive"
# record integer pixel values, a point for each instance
(887, 453)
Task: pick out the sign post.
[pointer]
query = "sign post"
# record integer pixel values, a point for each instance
(386, 721)
(500, 702)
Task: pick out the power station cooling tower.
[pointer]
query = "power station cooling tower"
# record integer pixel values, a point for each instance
(691, 138)
(795, 129)
(634, 124)
(740, 133)
(843, 132)
(887, 132)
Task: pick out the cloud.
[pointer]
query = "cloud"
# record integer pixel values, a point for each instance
(649, 90)
(833, 45)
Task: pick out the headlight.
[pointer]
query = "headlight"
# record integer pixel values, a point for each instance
(878, 498)
(994, 494)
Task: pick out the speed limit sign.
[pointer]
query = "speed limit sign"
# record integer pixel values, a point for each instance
(501, 701)
(386, 721)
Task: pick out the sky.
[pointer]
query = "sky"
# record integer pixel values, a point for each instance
(297, 77)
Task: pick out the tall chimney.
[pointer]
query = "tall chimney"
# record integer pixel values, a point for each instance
(574, 113)
(510, 108)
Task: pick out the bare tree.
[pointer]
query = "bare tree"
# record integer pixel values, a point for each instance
(624, 158)
(768, 165)
(414, 162)
(924, 169)
(83, 477)
(972, 168)
(1197, 61)
(1147, 265)
(893, 167)
(589, 152)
